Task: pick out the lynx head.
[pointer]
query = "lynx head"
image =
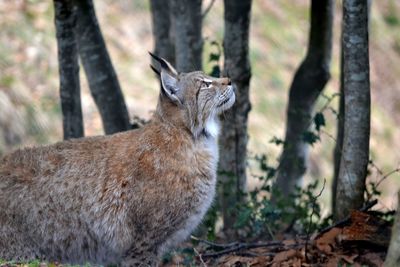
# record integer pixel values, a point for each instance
(193, 100)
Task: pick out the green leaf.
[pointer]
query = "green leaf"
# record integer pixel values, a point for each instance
(243, 218)
(310, 137)
(216, 71)
(277, 141)
(214, 57)
(214, 43)
(319, 121)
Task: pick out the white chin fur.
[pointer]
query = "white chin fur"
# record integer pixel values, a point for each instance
(212, 127)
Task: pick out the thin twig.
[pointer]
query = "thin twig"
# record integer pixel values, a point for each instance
(328, 134)
(329, 99)
(314, 199)
(200, 257)
(214, 244)
(253, 254)
(208, 8)
(387, 175)
(241, 246)
(376, 167)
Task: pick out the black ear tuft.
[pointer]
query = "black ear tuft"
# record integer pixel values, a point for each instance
(155, 70)
(162, 61)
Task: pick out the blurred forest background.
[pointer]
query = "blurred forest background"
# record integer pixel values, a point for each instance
(30, 110)
(31, 114)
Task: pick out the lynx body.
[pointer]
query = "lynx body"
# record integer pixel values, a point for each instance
(119, 199)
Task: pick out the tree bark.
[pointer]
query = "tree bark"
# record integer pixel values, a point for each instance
(65, 21)
(309, 81)
(233, 140)
(102, 79)
(357, 101)
(188, 37)
(337, 154)
(393, 255)
(162, 30)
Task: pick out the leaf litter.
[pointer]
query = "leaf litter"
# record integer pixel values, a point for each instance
(361, 239)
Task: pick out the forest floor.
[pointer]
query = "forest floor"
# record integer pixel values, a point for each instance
(359, 240)
(29, 98)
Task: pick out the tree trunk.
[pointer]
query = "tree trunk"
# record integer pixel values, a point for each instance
(308, 82)
(337, 153)
(162, 30)
(188, 38)
(102, 79)
(393, 255)
(233, 140)
(357, 101)
(65, 21)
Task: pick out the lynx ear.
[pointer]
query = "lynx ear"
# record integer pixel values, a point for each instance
(169, 79)
(155, 70)
(169, 84)
(165, 65)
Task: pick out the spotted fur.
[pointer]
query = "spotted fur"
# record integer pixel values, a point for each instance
(119, 199)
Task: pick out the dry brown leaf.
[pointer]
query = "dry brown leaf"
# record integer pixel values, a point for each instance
(333, 261)
(327, 242)
(365, 227)
(289, 242)
(296, 262)
(232, 260)
(348, 258)
(284, 255)
(259, 261)
(260, 250)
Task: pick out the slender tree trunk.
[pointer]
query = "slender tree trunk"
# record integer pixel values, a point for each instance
(233, 140)
(162, 30)
(102, 79)
(357, 101)
(65, 21)
(393, 255)
(188, 38)
(308, 82)
(337, 153)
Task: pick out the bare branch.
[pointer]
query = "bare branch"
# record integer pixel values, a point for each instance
(200, 257)
(241, 246)
(208, 8)
(214, 244)
(314, 200)
(387, 175)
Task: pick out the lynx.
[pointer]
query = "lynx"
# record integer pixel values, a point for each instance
(121, 199)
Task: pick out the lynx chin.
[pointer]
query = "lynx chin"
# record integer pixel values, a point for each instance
(121, 199)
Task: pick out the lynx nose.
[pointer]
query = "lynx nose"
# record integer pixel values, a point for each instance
(226, 81)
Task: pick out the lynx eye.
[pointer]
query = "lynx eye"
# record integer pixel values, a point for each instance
(207, 83)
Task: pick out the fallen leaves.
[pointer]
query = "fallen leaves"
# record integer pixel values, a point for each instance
(367, 228)
(360, 240)
(327, 242)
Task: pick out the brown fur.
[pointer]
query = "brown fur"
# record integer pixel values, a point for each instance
(124, 198)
